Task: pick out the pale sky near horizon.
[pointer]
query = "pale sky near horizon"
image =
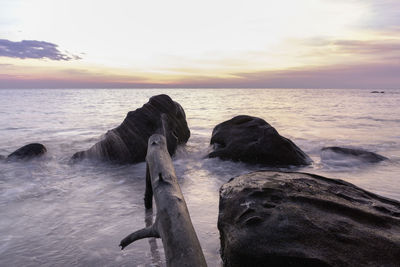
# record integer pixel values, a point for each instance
(177, 43)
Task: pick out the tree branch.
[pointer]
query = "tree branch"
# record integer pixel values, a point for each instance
(140, 234)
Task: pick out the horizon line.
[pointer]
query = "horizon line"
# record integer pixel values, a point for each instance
(198, 87)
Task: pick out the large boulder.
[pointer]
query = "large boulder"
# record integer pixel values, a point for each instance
(28, 152)
(253, 140)
(128, 142)
(329, 153)
(271, 218)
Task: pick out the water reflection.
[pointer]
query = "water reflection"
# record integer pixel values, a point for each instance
(155, 254)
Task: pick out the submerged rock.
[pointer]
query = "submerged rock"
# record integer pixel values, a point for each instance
(28, 152)
(271, 218)
(253, 140)
(128, 142)
(359, 154)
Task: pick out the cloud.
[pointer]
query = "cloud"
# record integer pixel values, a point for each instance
(383, 75)
(70, 78)
(12, 82)
(339, 76)
(33, 49)
(386, 14)
(381, 15)
(377, 48)
(368, 76)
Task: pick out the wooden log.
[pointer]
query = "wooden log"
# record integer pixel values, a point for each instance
(172, 224)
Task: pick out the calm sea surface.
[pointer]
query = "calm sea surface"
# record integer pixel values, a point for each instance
(57, 214)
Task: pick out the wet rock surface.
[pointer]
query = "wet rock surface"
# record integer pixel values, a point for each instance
(28, 152)
(359, 154)
(271, 218)
(128, 142)
(253, 140)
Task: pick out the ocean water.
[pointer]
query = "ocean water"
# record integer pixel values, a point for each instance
(57, 214)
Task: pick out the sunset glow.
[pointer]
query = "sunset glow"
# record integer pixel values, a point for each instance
(198, 43)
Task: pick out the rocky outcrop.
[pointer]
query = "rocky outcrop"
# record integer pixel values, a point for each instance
(296, 219)
(253, 140)
(28, 152)
(359, 154)
(128, 142)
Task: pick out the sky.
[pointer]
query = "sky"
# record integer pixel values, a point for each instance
(200, 44)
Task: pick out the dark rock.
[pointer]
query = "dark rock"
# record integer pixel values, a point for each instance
(377, 92)
(359, 154)
(28, 152)
(253, 140)
(296, 219)
(128, 142)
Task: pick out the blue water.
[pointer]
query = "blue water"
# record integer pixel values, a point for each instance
(54, 213)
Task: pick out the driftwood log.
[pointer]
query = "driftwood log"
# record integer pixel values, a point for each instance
(172, 224)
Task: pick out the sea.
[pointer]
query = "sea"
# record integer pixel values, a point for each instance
(54, 213)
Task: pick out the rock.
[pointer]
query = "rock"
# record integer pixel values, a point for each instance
(253, 140)
(28, 152)
(271, 218)
(377, 92)
(359, 154)
(128, 142)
